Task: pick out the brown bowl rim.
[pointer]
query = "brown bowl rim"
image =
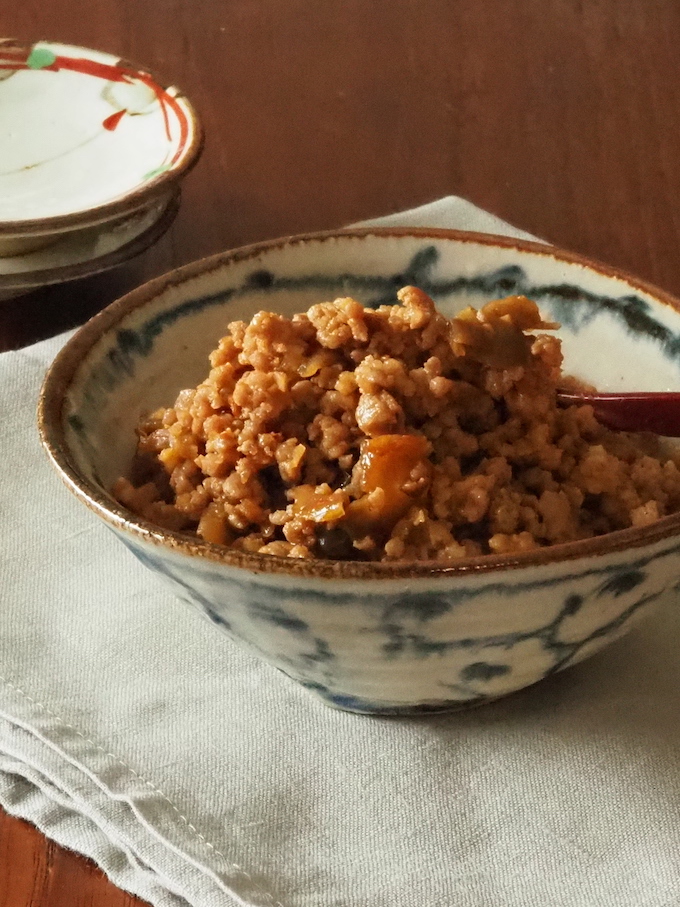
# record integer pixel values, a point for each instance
(136, 198)
(65, 366)
(31, 280)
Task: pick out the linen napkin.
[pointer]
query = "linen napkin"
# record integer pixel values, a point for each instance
(135, 733)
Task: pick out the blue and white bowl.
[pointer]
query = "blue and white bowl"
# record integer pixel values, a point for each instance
(375, 638)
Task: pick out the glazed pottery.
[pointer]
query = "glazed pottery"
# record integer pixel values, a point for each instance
(90, 250)
(85, 139)
(375, 638)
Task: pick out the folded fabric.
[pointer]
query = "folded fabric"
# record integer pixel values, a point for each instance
(133, 732)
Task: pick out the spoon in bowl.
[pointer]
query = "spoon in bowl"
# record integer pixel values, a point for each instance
(635, 411)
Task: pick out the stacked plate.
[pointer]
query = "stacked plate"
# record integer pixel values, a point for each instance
(92, 153)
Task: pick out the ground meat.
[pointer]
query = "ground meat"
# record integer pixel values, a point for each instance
(392, 434)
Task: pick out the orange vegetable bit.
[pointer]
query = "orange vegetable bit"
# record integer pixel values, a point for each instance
(384, 468)
(320, 506)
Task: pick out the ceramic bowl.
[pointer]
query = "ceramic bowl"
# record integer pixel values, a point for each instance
(85, 139)
(374, 638)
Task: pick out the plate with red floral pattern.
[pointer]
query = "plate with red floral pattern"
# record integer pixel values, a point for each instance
(85, 138)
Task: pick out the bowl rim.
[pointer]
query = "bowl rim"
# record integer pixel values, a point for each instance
(31, 280)
(66, 364)
(137, 197)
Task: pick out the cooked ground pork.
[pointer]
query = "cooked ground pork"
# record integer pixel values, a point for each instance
(392, 434)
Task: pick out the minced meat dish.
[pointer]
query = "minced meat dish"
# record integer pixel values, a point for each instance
(392, 434)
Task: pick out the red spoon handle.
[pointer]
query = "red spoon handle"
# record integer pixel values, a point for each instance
(655, 412)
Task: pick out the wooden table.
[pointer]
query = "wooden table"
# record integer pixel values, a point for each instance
(562, 117)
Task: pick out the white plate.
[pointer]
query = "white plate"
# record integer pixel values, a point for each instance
(88, 251)
(85, 137)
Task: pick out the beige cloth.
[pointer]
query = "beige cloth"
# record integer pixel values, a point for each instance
(132, 731)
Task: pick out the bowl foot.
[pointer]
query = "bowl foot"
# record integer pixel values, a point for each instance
(360, 706)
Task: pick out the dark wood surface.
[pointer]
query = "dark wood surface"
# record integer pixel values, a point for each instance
(560, 116)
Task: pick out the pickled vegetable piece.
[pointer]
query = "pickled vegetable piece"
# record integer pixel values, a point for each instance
(384, 468)
(494, 335)
(522, 312)
(388, 460)
(320, 507)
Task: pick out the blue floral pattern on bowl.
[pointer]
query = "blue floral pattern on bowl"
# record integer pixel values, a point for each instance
(430, 638)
